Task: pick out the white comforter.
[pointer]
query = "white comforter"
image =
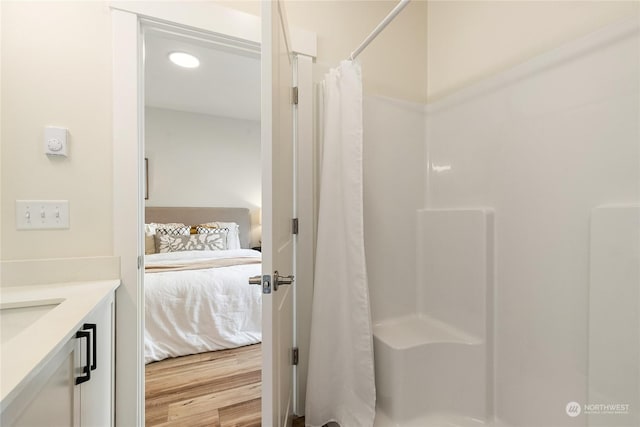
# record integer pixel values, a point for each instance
(194, 311)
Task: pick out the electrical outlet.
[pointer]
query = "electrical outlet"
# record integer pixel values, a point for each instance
(42, 214)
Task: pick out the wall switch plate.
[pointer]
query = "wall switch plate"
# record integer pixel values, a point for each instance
(55, 141)
(42, 214)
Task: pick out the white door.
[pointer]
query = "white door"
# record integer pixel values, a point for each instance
(277, 213)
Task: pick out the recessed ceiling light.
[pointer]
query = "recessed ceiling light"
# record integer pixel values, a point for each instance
(183, 59)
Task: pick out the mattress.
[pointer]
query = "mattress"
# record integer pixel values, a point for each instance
(189, 311)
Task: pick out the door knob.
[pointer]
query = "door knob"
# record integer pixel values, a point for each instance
(279, 280)
(264, 281)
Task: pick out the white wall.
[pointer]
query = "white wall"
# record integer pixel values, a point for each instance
(543, 144)
(202, 160)
(57, 75)
(394, 65)
(76, 93)
(471, 40)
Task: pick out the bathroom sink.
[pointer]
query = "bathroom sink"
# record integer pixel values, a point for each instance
(36, 322)
(17, 316)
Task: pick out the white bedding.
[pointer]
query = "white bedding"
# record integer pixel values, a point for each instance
(194, 311)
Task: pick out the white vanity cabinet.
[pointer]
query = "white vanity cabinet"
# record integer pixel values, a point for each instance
(50, 398)
(96, 394)
(75, 386)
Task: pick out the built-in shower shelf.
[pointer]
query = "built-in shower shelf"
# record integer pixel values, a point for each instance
(416, 330)
(433, 366)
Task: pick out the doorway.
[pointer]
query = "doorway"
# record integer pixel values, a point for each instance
(227, 27)
(202, 338)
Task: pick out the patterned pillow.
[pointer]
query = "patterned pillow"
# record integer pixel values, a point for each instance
(150, 234)
(205, 229)
(233, 237)
(194, 228)
(184, 230)
(192, 242)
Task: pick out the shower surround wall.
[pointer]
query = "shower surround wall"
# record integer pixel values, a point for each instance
(393, 161)
(550, 151)
(545, 144)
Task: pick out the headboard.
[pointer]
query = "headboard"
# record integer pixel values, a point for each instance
(194, 216)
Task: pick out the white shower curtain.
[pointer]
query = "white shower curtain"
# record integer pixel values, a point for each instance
(341, 386)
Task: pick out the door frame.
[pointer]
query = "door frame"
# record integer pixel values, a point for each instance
(127, 22)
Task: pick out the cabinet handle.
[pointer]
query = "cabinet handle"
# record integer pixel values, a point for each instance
(94, 328)
(86, 369)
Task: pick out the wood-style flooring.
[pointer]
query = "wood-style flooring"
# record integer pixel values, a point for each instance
(215, 389)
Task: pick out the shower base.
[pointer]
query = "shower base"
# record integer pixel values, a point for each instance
(435, 420)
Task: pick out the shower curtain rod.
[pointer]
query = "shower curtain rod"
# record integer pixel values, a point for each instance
(381, 26)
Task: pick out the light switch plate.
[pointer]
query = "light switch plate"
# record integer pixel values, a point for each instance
(42, 214)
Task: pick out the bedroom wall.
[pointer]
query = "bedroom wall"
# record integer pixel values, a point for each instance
(202, 160)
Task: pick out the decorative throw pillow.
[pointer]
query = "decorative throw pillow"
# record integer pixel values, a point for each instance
(150, 234)
(206, 229)
(149, 239)
(174, 231)
(191, 242)
(151, 227)
(149, 244)
(194, 228)
(233, 237)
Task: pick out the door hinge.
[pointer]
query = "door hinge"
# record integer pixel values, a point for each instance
(294, 226)
(140, 261)
(294, 95)
(294, 356)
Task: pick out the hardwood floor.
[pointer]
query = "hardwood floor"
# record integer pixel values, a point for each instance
(216, 389)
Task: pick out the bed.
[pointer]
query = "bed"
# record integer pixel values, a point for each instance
(200, 300)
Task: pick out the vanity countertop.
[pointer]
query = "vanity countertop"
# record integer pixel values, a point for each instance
(26, 350)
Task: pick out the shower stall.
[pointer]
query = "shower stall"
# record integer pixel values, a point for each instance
(502, 235)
